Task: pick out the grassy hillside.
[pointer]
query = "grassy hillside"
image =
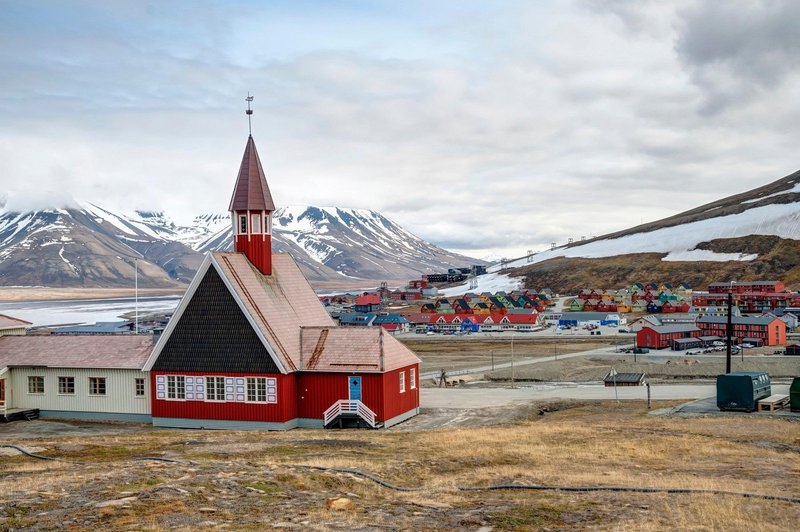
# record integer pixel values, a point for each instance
(778, 258)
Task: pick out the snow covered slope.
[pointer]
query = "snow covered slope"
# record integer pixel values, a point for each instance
(771, 210)
(92, 246)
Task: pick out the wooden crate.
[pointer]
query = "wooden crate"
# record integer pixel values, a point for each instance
(773, 402)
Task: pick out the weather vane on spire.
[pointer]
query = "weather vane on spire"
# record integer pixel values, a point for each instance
(249, 113)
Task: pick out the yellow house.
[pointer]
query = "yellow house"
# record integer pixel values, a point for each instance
(13, 326)
(624, 306)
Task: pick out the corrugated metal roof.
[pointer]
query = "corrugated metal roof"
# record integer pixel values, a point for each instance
(739, 320)
(666, 329)
(107, 352)
(279, 304)
(251, 191)
(620, 378)
(350, 349)
(7, 322)
(283, 304)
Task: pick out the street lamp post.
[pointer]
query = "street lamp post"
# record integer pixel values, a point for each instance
(729, 330)
(136, 296)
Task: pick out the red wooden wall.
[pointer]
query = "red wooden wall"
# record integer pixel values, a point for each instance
(284, 410)
(396, 403)
(257, 248)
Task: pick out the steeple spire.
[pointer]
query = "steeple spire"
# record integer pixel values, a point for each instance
(251, 207)
(249, 113)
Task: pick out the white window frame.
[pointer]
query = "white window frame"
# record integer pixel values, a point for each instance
(270, 390)
(242, 218)
(255, 223)
(412, 377)
(255, 382)
(136, 382)
(37, 379)
(65, 380)
(98, 381)
(402, 382)
(219, 391)
(268, 224)
(173, 394)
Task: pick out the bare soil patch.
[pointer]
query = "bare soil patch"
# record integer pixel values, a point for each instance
(667, 368)
(461, 352)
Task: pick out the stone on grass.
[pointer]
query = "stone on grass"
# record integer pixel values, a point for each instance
(339, 504)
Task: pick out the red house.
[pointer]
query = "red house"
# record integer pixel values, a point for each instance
(251, 347)
(660, 337)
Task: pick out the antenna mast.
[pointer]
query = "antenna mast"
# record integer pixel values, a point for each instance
(249, 113)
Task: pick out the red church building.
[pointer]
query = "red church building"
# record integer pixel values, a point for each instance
(251, 347)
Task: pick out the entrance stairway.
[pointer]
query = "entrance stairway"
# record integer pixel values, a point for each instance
(20, 415)
(350, 414)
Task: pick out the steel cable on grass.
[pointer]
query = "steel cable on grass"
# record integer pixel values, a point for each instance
(55, 459)
(496, 487)
(542, 487)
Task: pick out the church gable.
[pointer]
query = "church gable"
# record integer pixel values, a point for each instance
(214, 335)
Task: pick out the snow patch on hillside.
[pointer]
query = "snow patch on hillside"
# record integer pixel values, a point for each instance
(490, 282)
(704, 254)
(781, 220)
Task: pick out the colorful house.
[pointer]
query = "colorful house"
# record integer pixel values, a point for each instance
(367, 302)
(12, 326)
(767, 329)
(251, 347)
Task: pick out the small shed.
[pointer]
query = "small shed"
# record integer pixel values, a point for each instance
(623, 379)
(681, 344)
(793, 349)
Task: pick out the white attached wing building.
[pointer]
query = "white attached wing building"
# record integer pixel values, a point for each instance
(77, 377)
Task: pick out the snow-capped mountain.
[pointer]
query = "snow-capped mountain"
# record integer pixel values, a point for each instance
(92, 246)
(753, 235)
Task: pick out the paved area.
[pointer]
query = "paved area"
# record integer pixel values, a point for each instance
(474, 397)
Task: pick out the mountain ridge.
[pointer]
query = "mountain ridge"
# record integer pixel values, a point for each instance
(94, 246)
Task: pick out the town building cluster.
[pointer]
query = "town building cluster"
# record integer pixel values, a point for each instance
(472, 312)
(761, 314)
(637, 298)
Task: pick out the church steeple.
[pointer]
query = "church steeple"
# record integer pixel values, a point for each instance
(251, 209)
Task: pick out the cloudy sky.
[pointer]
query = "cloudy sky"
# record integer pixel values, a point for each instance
(485, 127)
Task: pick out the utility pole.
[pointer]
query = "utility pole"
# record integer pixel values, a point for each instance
(555, 345)
(729, 331)
(136, 296)
(512, 361)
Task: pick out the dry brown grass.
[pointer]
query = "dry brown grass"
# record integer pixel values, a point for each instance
(51, 294)
(253, 478)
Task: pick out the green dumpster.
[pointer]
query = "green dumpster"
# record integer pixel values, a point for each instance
(741, 390)
(794, 395)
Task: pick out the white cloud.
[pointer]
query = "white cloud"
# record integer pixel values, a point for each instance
(486, 128)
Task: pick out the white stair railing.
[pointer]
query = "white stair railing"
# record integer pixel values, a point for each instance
(344, 406)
